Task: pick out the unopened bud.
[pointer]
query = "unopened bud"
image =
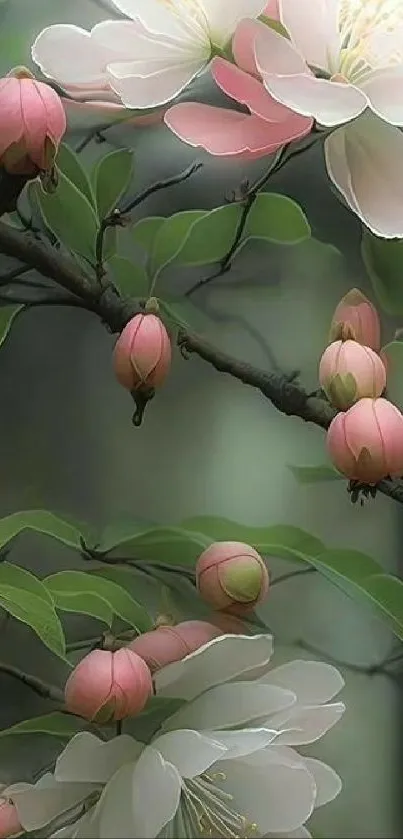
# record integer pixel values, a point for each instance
(142, 354)
(348, 371)
(232, 577)
(355, 317)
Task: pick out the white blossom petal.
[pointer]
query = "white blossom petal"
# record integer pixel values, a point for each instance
(271, 791)
(243, 742)
(140, 799)
(231, 705)
(328, 783)
(223, 17)
(364, 162)
(47, 799)
(53, 50)
(192, 752)
(328, 102)
(81, 829)
(222, 659)
(158, 88)
(86, 758)
(165, 19)
(384, 91)
(313, 27)
(305, 724)
(275, 54)
(313, 682)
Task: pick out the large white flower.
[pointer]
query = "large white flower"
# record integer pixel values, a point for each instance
(222, 765)
(149, 59)
(344, 63)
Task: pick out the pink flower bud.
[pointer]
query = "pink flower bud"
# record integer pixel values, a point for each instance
(232, 577)
(166, 644)
(142, 354)
(9, 822)
(356, 317)
(108, 686)
(366, 443)
(348, 371)
(271, 10)
(32, 123)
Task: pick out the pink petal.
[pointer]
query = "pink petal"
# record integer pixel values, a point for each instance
(247, 90)
(229, 133)
(11, 124)
(272, 10)
(243, 44)
(275, 54)
(55, 114)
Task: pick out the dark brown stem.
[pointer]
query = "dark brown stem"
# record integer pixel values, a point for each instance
(43, 689)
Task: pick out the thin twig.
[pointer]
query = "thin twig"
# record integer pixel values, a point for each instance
(158, 185)
(43, 689)
(370, 670)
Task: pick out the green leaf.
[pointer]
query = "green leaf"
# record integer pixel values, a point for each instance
(145, 231)
(41, 521)
(17, 577)
(315, 474)
(209, 237)
(83, 603)
(276, 218)
(70, 164)
(7, 317)
(36, 613)
(69, 214)
(56, 724)
(171, 237)
(185, 315)
(281, 540)
(387, 593)
(393, 353)
(65, 586)
(383, 259)
(130, 278)
(170, 545)
(112, 176)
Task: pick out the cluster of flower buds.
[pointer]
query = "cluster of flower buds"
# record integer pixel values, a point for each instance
(365, 440)
(108, 686)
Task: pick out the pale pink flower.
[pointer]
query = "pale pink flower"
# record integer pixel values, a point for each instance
(356, 317)
(142, 354)
(108, 686)
(32, 123)
(232, 577)
(344, 66)
(366, 443)
(230, 133)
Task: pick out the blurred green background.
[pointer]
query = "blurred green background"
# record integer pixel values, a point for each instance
(208, 445)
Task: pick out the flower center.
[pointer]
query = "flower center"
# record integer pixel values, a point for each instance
(367, 42)
(206, 810)
(186, 9)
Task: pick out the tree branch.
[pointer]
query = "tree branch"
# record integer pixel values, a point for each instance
(41, 688)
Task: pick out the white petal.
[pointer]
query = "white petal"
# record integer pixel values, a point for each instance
(223, 17)
(384, 91)
(128, 40)
(164, 19)
(275, 54)
(140, 799)
(243, 742)
(328, 783)
(222, 659)
(77, 830)
(89, 759)
(329, 103)
(313, 26)
(364, 162)
(304, 724)
(190, 751)
(313, 682)
(47, 799)
(276, 794)
(226, 706)
(155, 89)
(54, 48)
